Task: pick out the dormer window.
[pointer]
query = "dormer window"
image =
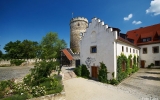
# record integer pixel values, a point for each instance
(146, 39)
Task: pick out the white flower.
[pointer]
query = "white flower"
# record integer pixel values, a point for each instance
(21, 93)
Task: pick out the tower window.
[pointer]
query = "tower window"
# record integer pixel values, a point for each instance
(78, 24)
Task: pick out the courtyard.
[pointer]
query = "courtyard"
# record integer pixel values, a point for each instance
(142, 85)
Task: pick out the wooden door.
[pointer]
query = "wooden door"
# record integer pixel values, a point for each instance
(142, 63)
(94, 72)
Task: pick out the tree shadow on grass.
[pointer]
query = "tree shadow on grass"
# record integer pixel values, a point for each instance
(150, 78)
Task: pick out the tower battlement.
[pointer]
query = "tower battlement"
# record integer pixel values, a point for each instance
(78, 19)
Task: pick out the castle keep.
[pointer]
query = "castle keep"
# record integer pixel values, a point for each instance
(77, 25)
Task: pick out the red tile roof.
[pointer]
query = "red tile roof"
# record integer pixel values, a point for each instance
(143, 32)
(68, 55)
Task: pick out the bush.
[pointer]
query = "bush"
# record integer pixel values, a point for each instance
(77, 71)
(102, 76)
(114, 81)
(5, 86)
(42, 69)
(16, 62)
(17, 97)
(149, 66)
(84, 71)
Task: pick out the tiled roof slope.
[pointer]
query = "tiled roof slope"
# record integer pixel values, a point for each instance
(68, 55)
(144, 32)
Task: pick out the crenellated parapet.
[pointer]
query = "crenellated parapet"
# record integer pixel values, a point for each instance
(79, 19)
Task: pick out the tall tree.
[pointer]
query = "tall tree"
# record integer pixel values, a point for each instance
(29, 49)
(51, 46)
(13, 49)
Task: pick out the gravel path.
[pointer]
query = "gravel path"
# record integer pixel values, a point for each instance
(143, 85)
(7, 73)
(83, 89)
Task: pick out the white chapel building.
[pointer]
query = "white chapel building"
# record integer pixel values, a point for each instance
(101, 43)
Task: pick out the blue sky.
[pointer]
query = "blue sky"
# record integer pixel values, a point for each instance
(33, 19)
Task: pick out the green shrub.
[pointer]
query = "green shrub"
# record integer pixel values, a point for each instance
(16, 62)
(149, 66)
(84, 71)
(102, 76)
(77, 71)
(114, 81)
(42, 69)
(5, 86)
(17, 97)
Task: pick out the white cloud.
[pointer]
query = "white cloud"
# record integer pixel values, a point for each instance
(136, 22)
(129, 17)
(154, 8)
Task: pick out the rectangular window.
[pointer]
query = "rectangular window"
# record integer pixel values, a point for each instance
(130, 50)
(144, 40)
(157, 63)
(122, 49)
(144, 50)
(137, 51)
(126, 49)
(133, 51)
(93, 49)
(155, 49)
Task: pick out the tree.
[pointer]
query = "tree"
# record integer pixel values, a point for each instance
(13, 49)
(29, 49)
(21, 50)
(51, 46)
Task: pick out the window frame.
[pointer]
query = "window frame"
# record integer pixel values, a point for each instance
(156, 61)
(91, 49)
(155, 47)
(126, 49)
(143, 50)
(122, 48)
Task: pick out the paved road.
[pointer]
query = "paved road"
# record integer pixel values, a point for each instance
(143, 85)
(7, 73)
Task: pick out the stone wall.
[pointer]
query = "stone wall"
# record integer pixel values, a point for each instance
(27, 62)
(58, 96)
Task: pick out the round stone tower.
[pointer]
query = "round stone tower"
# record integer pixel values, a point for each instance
(77, 25)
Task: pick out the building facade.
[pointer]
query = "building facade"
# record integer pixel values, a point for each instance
(101, 43)
(148, 39)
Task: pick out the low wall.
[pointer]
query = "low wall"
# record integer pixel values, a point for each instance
(27, 62)
(58, 96)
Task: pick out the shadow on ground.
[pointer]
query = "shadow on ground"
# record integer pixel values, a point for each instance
(153, 72)
(150, 78)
